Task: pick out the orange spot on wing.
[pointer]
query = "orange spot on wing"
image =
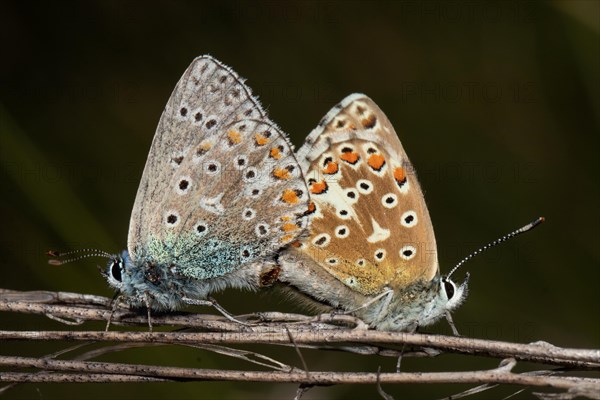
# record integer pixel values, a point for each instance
(275, 153)
(376, 161)
(318, 187)
(289, 196)
(234, 137)
(286, 218)
(350, 157)
(205, 146)
(260, 139)
(295, 244)
(400, 176)
(281, 173)
(311, 208)
(331, 168)
(287, 238)
(289, 227)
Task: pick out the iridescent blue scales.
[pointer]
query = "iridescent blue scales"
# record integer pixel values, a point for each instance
(221, 193)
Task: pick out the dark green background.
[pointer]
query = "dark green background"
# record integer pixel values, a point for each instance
(497, 104)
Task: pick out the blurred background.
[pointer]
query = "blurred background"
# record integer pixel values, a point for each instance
(497, 104)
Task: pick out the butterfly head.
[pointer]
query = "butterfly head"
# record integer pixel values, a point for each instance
(141, 283)
(117, 270)
(420, 304)
(133, 283)
(452, 295)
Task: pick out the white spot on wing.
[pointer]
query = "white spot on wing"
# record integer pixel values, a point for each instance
(248, 214)
(183, 185)
(342, 231)
(364, 186)
(213, 204)
(409, 219)
(380, 254)
(408, 252)
(389, 200)
(172, 218)
(379, 234)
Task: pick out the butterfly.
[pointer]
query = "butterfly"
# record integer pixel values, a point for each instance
(220, 194)
(371, 248)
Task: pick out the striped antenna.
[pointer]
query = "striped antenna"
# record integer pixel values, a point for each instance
(504, 238)
(88, 253)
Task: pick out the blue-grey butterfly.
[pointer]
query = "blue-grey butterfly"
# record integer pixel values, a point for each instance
(221, 193)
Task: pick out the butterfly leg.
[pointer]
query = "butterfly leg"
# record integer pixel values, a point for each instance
(147, 301)
(451, 323)
(388, 299)
(113, 308)
(399, 361)
(211, 302)
(413, 329)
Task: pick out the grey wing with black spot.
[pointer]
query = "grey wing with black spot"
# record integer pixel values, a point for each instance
(221, 187)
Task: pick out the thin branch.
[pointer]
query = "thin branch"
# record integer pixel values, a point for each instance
(497, 375)
(323, 332)
(574, 358)
(51, 377)
(297, 351)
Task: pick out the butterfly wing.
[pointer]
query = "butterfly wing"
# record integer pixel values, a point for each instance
(356, 112)
(221, 187)
(369, 225)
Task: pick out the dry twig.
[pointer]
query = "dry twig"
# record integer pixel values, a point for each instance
(324, 332)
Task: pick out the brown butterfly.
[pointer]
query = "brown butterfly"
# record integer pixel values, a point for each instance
(371, 249)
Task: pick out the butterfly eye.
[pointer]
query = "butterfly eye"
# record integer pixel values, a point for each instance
(449, 288)
(116, 268)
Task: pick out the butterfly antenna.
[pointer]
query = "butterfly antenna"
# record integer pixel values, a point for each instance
(504, 238)
(73, 256)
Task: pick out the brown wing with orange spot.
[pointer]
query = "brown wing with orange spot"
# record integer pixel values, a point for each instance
(369, 227)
